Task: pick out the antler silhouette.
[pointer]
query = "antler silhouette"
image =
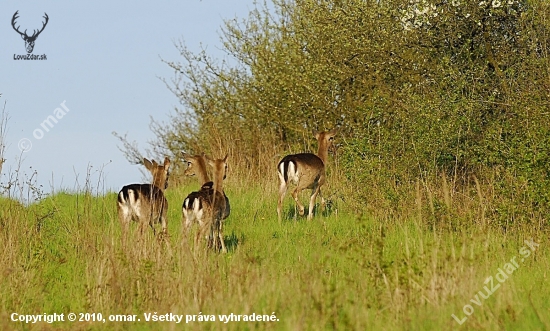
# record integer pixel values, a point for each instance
(17, 28)
(29, 40)
(35, 34)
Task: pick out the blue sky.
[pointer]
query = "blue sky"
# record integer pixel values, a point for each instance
(103, 61)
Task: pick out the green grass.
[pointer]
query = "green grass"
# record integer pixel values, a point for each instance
(338, 272)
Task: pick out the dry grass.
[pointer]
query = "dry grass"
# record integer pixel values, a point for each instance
(339, 272)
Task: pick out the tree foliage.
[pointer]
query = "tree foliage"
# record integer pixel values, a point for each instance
(416, 87)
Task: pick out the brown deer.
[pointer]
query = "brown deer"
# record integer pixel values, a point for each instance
(196, 166)
(306, 170)
(145, 203)
(208, 206)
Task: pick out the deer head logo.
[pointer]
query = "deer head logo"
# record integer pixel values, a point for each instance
(29, 40)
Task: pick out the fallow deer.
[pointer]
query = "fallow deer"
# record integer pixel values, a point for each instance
(208, 206)
(145, 203)
(196, 166)
(306, 170)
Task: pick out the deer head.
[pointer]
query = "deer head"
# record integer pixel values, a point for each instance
(160, 172)
(29, 40)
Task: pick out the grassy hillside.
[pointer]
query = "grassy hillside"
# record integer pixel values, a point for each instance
(338, 272)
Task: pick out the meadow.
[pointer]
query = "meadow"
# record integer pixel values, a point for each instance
(342, 271)
(439, 184)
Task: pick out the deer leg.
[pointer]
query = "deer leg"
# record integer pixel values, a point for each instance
(124, 217)
(143, 229)
(314, 193)
(125, 227)
(164, 223)
(282, 193)
(323, 202)
(197, 237)
(187, 221)
(200, 234)
(152, 225)
(213, 236)
(295, 193)
(220, 234)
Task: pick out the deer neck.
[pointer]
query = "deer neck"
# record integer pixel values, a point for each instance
(158, 182)
(218, 181)
(322, 152)
(201, 172)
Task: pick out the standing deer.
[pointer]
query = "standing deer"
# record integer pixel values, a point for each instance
(196, 166)
(145, 203)
(306, 170)
(208, 206)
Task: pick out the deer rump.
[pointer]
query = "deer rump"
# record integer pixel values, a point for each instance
(137, 199)
(292, 167)
(195, 202)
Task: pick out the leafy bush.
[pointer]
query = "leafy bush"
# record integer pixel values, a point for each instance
(419, 89)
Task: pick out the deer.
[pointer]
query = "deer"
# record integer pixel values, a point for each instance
(208, 206)
(196, 166)
(145, 203)
(29, 40)
(306, 171)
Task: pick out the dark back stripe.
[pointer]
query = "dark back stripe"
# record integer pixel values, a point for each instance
(285, 169)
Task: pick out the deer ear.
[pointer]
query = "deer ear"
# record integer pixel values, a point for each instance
(147, 164)
(188, 158)
(208, 160)
(225, 158)
(316, 134)
(166, 161)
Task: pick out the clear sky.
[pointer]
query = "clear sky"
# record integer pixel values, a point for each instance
(104, 63)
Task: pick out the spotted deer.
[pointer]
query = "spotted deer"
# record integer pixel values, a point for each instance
(145, 203)
(208, 206)
(306, 170)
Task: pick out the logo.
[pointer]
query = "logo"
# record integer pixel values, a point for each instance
(29, 40)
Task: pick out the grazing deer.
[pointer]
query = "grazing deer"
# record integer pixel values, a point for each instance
(145, 203)
(208, 206)
(306, 170)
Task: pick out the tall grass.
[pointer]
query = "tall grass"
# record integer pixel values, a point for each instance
(342, 271)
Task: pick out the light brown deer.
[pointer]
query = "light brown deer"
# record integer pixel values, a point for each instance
(196, 166)
(306, 170)
(208, 206)
(145, 203)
